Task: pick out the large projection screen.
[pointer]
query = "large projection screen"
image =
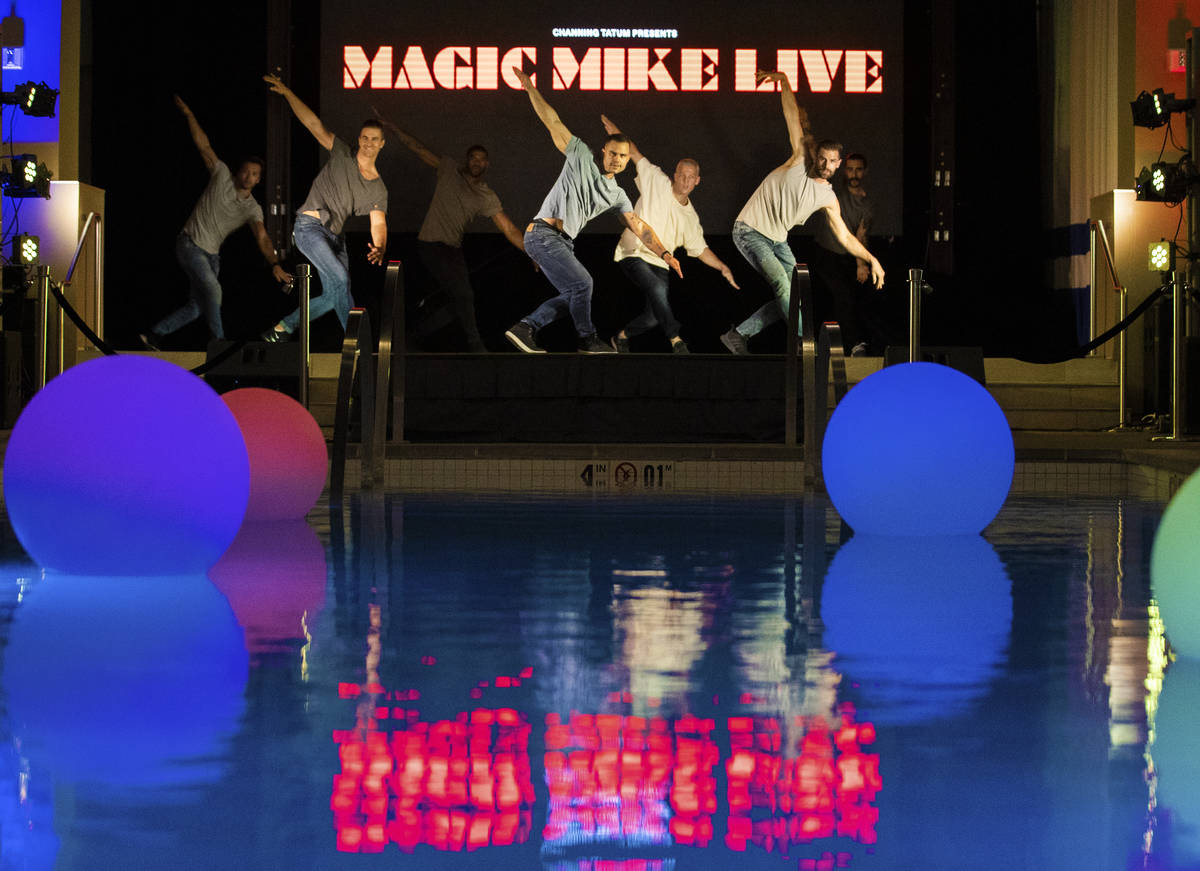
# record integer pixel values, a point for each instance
(679, 79)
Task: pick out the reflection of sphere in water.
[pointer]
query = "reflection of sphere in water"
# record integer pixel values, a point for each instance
(288, 459)
(920, 623)
(125, 681)
(274, 577)
(918, 449)
(1175, 568)
(126, 465)
(1176, 726)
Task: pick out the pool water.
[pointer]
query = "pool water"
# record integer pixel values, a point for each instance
(606, 684)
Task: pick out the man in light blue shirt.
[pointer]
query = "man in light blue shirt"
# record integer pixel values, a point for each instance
(582, 192)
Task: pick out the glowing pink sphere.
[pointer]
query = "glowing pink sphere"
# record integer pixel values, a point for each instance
(288, 458)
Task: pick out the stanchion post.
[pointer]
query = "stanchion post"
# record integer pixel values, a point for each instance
(915, 282)
(1122, 311)
(1178, 348)
(43, 323)
(304, 288)
(99, 328)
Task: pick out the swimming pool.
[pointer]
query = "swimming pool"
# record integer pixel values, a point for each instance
(605, 682)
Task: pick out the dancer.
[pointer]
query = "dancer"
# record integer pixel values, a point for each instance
(226, 204)
(582, 192)
(788, 196)
(666, 204)
(461, 196)
(348, 184)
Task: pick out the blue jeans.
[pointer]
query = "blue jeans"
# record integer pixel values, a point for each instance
(327, 253)
(654, 282)
(554, 253)
(201, 269)
(774, 261)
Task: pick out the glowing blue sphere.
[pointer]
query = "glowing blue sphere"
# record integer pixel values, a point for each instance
(918, 449)
(920, 624)
(126, 681)
(1175, 568)
(126, 465)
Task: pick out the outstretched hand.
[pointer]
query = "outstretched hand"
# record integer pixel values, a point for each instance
(181, 106)
(609, 127)
(526, 81)
(276, 83)
(674, 263)
(727, 274)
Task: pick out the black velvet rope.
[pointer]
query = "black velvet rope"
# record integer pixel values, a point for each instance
(107, 349)
(1124, 324)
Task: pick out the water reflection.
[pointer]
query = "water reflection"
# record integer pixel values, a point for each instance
(698, 684)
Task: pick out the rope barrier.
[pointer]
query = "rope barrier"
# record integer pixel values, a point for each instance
(1084, 350)
(106, 349)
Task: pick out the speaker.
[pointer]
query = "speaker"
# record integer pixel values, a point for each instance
(967, 360)
(273, 365)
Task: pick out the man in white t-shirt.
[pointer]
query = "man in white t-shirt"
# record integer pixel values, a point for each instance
(225, 205)
(787, 197)
(665, 204)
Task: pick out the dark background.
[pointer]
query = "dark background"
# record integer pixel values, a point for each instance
(214, 57)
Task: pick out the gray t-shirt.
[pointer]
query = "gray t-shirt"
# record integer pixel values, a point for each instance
(220, 211)
(855, 212)
(582, 191)
(786, 197)
(339, 190)
(456, 202)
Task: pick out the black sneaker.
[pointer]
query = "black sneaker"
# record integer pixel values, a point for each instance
(680, 347)
(620, 344)
(149, 341)
(521, 335)
(859, 350)
(735, 342)
(592, 345)
(273, 335)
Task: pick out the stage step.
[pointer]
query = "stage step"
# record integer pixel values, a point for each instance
(1073, 396)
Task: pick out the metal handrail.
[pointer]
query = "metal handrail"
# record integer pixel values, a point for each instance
(1096, 231)
(390, 364)
(818, 351)
(303, 285)
(354, 346)
(92, 222)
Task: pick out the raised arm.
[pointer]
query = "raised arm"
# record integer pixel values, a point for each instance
(558, 130)
(612, 129)
(799, 129)
(198, 135)
(650, 239)
(509, 229)
(414, 145)
(268, 252)
(850, 242)
(304, 115)
(708, 258)
(378, 244)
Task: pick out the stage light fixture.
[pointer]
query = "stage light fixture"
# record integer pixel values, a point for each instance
(1154, 109)
(1163, 182)
(33, 98)
(26, 178)
(1161, 256)
(26, 249)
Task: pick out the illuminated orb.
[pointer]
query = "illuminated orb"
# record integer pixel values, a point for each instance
(126, 681)
(274, 578)
(1177, 764)
(288, 458)
(1175, 568)
(918, 449)
(126, 465)
(919, 624)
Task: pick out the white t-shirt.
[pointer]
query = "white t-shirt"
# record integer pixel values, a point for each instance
(785, 198)
(220, 211)
(675, 223)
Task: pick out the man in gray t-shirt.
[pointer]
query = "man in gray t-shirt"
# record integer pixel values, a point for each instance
(348, 184)
(582, 192)
(460, 197)
(226, 204)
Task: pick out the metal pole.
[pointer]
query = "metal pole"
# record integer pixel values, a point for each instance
(43, 318)
(1122, 406)
(304, 273)
(1092, 289)
(915, 281)
(1178, 347)
(99, 327)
